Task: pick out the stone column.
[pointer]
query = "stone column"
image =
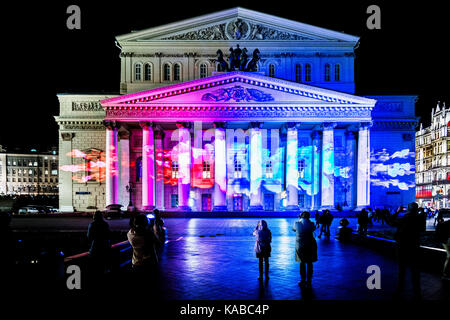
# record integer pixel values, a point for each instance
(255, 167)
(220, 168)
(350, 149)
(328, 166)
(363, 175)
(148, 166)
(112, 167)
(159, 157)
(65, 177)
(124, 167)
(292, 167)
(184, 166)
(315, 174)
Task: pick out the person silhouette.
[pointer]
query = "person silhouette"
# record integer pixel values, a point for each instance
(262, 247)
(305, 248)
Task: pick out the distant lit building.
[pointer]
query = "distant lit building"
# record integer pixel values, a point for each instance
(29, 173)
(433, 160)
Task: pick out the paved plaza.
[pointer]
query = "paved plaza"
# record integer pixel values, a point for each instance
(214, 259)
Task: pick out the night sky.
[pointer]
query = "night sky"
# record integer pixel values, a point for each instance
(409, 55)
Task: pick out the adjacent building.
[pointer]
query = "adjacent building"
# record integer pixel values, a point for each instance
(28, 173)
(433, 160)
(234, 111)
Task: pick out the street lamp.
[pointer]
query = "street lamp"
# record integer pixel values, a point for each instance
(130, 189)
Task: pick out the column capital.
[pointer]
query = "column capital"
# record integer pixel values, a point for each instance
(145, 124)
(328, 125)
(256, 125)
(110, 125)
(124, 134)
(67, 136)
(186, 125)
(219, 125)
(293, 125)
(365, 125)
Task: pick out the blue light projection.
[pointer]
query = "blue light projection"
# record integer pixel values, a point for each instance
(394, 170)
(305, 177)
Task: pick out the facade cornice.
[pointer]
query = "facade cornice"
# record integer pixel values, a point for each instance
(248, 113)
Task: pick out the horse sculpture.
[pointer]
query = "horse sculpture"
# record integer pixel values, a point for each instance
(223, 65)
(253, 64)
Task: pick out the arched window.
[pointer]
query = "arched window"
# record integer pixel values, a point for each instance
(271, 70)
(298, 72)
(148, 72)
(166, 72)
(337, 72)
(307, 72)
(176, 72)
(327, 72)
(203, 70)
(137, 72)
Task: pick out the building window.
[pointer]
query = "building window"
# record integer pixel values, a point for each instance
(137, 72)
(148, 72)
(166, 70)
(269, 170)
(271, 70)
(327, 72)
(307, 72)
(237, 169)
(174, 200)
(203, 70)
(176, 72)
(337, 72)
(138, 169)
(206, 173)
(298, 72)
(301, 168)
(175, 168)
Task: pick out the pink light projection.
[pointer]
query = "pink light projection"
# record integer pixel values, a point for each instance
(93, 167)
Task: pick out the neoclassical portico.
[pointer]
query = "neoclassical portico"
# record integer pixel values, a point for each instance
(280, 137)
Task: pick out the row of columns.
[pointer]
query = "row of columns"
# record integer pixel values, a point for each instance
(325, 159)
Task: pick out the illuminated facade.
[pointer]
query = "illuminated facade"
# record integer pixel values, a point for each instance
(185, 135)
(433, 160)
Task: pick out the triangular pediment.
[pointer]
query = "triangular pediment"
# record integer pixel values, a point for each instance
(239, 96)
(238, 88)
(235, 25)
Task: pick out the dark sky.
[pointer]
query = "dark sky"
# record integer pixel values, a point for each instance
(409, 55)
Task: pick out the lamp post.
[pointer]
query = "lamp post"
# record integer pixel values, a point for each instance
(130, 189)
(346, 189)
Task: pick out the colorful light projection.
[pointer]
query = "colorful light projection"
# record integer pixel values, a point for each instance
(396, 170)
(92, 166)
(328, 167)
(272, 161)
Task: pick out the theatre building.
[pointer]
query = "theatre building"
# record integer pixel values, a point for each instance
(236, 111)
